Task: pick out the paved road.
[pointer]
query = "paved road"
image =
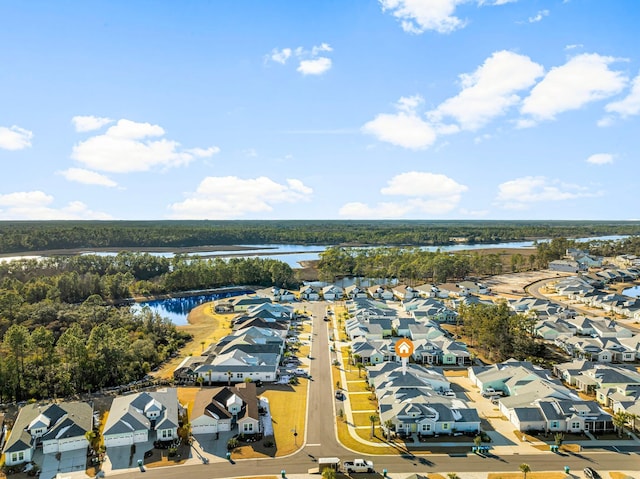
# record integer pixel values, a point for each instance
(321, 441)
(534, 290)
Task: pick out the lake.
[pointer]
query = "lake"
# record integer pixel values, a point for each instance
(177, 309)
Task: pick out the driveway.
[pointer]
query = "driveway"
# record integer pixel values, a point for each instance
(119, 458)
(70, 461)
(501, 430)
(207, 446)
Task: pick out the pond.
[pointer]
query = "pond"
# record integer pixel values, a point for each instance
(634, 292)
(177, 309)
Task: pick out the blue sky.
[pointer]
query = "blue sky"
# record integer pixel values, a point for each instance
(390, 109)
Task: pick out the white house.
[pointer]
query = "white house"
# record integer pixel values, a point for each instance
(142, 417)
(58, 427)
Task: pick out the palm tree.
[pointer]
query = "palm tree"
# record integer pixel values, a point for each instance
(202, 343)
(356, 358)
(619, 420)
(453, 475)
(525, 468)
(360, 368)
(477, 440)
(558, 438)
(373, 419)
(633, 417)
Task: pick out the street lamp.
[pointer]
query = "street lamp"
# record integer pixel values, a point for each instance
(295, 437)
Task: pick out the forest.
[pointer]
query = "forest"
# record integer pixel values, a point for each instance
(415, 266)
(65, 330)
(26, 236)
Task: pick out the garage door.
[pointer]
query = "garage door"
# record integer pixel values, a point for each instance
(141, 436)
(79, 443)
(118, 441)
(204, 429)
(224, 426)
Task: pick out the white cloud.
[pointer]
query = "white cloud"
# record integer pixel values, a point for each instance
(317, 66)
(203, 152)
(429, 194)
(583, 79)
(418, 16)
(129, 146)
(35, 205)
(87, 177)
(309, 61)
(14, 138)
(404, 128)
(89, 123)
(281, 56)
(520, 192)
(630, 105)
(495, 2)
(423, 184)
(231, 197)
(539, 16)
(574, 46)
(323, 47)
(490, 90)
(600, 159)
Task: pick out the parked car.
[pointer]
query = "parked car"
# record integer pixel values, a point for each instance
(488, 392)
(339, 395)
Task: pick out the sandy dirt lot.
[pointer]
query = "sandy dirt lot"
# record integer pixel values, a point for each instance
(514, 284)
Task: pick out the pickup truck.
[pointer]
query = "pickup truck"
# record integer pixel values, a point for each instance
(358, 465)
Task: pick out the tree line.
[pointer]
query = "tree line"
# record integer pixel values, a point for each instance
(52, 235)
(64, 329)
(412, 265)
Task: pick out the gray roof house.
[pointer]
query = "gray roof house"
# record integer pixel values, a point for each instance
(143, 417)
(58, 427)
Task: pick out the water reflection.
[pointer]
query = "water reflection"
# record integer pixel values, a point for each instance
(177, 309)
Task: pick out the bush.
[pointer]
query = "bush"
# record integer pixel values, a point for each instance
(232, 443)
(268, 443)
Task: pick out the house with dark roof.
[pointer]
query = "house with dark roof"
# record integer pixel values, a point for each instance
(221, 409)
(57, 427)
(143, 417)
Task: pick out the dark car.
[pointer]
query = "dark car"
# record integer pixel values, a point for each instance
(591, 474)
(339, 395)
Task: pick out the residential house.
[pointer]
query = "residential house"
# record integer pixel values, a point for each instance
(402, 292)
(142, 417)
(309, 293)
(426, 290)
(380, 292)
(332, 292)
(243, 303)
(237, 366)
(355, 292)
(283, 295)
(59, 428)
(221, 409)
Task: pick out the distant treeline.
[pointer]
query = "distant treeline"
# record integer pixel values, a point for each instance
(28, 236)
